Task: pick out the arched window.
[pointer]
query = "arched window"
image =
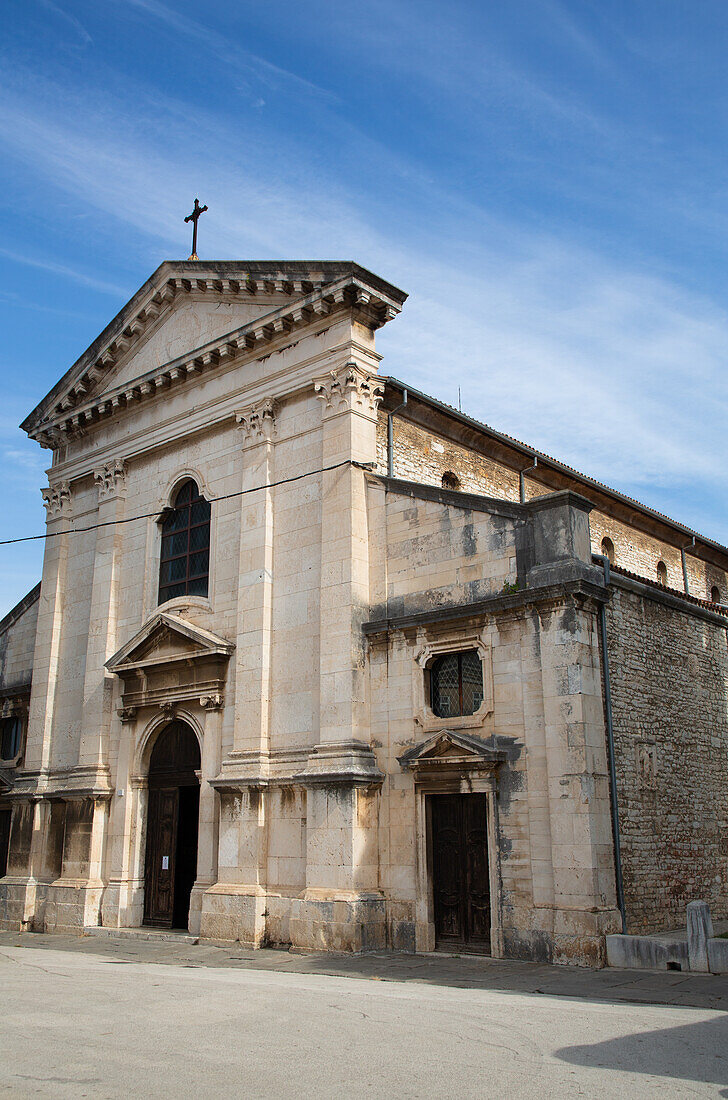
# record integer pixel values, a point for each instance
(450, 480)
(608, 549)
(662, 572)
(456, 684)
(715, 594)
(185, 560)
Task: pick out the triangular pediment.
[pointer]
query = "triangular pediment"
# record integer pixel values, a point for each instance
(192, 316)
(451, 747)
(167, 639)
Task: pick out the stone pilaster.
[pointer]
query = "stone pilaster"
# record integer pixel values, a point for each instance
(233, 903)
(342, 906)
(102, 639)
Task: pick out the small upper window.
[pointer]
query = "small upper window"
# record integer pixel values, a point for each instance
(185, 560)
(450, 480)
(456, 684)
(715, 594)
(11, 733)
(608, 550)
(662, 572)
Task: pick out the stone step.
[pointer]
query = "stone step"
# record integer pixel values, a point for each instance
(156, 934)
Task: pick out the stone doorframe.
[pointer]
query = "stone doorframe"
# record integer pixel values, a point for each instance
(453, 763)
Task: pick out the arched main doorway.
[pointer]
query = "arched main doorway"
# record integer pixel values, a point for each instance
(172, 816)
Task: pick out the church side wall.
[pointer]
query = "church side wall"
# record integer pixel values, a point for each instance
(669, 677)
(423, 456)
(17, 642)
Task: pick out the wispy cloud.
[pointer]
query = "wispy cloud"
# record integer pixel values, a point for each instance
(257, 69)
(91, 281)
(69, 20)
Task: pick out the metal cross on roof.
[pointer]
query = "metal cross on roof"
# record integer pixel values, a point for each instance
(193, 218)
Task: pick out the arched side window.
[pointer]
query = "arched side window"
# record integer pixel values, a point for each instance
(185, 559)
(662, 573)
(715, 594)
(450, 480)
(456, 684)
(608, 549)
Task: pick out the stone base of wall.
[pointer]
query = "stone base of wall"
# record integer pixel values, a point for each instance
(123, 905)
(339, 922)
(22, 904)
(232, 913)
(72, 905)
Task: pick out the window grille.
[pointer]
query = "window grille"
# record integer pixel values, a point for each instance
(456, 684)
(185, 559)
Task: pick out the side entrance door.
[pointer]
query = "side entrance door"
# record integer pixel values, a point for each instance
(460, 879)
(160, 857)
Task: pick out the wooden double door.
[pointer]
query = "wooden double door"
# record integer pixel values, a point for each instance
(460, 874)
(173, 810)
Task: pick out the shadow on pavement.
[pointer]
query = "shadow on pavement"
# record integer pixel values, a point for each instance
(699, 1049)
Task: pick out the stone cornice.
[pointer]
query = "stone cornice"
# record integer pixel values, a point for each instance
(70, 410)
(221, 408)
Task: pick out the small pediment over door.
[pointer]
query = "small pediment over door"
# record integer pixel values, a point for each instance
(170, 660)
(451, 751)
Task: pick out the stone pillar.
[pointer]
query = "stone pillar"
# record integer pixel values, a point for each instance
(234, 902)
(23, 890)
(102, 639)
(582, 852)
(207, 841)
(255, 584)
(38, 745)
(74, 899)
(342, 907)
(700, 930)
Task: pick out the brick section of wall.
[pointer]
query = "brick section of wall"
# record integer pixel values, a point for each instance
(421, 455)
(669, 674)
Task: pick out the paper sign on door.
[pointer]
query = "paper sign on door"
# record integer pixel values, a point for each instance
(165, 863)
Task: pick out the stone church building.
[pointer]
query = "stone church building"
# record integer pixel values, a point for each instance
(319, 661)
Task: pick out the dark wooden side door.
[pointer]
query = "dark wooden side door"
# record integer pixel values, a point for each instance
(163, 815)
(461, 882)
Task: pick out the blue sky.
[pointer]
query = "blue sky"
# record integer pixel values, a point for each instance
(546, 178)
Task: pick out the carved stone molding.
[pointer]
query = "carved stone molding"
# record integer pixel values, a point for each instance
(350, 387)
(257, 423)
(111, 479)
(57, 500)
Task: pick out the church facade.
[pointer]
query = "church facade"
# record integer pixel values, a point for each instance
(318, 661)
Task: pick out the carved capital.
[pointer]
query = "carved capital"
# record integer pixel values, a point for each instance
(257, 423)
(57, 500)
(111, 479)
(127, 714)
(350, 387)
(212, 702)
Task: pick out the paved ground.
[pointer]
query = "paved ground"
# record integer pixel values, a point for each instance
(110, 1018)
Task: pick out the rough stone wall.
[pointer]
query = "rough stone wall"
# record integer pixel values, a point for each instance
(423, 456)
(669, 675)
